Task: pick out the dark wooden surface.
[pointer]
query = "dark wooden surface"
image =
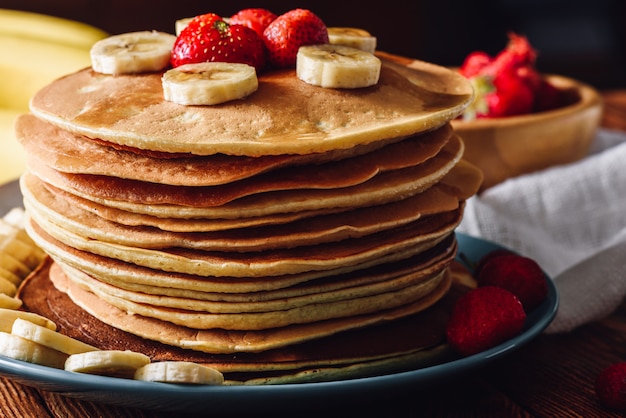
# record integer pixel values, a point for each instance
(551, 376)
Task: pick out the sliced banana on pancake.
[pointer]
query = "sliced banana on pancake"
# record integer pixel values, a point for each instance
(337, 66)
(209, 83)
(19, 348)
(132, 52)
(354, 37)
(8, 302)
(8, 316)
(181, 24)
(49, 338)
(117, 363)
(179, 372)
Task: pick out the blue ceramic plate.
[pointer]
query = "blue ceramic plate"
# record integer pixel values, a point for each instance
(257, 399)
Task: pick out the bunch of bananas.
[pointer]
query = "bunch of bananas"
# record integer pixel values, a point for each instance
(36, 49)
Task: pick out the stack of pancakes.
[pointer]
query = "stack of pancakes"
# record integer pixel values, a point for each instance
(299, 234)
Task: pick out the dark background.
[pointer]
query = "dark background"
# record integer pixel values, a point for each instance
(583, 39)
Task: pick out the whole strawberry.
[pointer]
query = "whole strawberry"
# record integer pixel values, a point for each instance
(610, 386)
(256, 19)
(512, 96)
(208, 38)
(483, 318)
(520, 275)
(290, 31)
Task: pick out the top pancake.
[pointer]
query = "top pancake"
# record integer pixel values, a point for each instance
(285, 115)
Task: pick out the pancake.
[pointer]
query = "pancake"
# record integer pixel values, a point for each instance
(134, 277)
(168, 201)
(44, 204)
(224, 315)
(392, 346)
(257, 236)
(130, 110)
(220, 341)
(65, 152)
(385, 246)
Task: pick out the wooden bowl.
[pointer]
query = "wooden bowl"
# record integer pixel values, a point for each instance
(510, 146)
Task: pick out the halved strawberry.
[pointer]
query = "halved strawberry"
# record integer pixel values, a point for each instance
(290, 31)
(208, 38)
(483, 318)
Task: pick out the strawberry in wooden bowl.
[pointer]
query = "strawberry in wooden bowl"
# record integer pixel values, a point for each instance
(523, 121)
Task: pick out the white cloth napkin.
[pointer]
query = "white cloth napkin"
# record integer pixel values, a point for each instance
(572, 220)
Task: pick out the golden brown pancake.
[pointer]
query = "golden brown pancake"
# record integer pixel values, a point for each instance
(285, 115)
(249, 234)
(393, 345)
(389, 245)
(220, 341)
(65, 152)
(236, 200)
(158, 282)
(44, 204)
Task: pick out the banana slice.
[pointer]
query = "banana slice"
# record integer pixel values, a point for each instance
(7, 288)
(209, 83)
(337, 66)
(181, 24)
(47, 337)
(8, 316)
(8, 302)
(10, 276)
(179, 372)
(19, 348)
(132, 52)
(116, 363)
(354, 37)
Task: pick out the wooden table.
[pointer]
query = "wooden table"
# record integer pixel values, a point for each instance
(551, 376)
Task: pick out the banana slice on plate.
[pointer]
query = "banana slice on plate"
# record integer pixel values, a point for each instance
(115, 363)
(209, 83)
(8, 316)
(47, 337)
(19, 348)
(337, 66)
(8, 302)
(132, 52)
(7, 288)
(354, 37)
(179, 372)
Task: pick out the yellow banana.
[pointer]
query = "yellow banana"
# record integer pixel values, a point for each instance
(7, 288)
(179, 372)
(19, 348)
(209, 83)
(8, 316)
(116, 363)
(354, 37)
(49, 338)
(21, 24)
(8, 302)
(337, 66)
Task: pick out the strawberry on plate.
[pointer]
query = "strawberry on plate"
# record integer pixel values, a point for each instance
(288, 32)
(520, 275)
(483, 318)
(256, 19)
(208, 38)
